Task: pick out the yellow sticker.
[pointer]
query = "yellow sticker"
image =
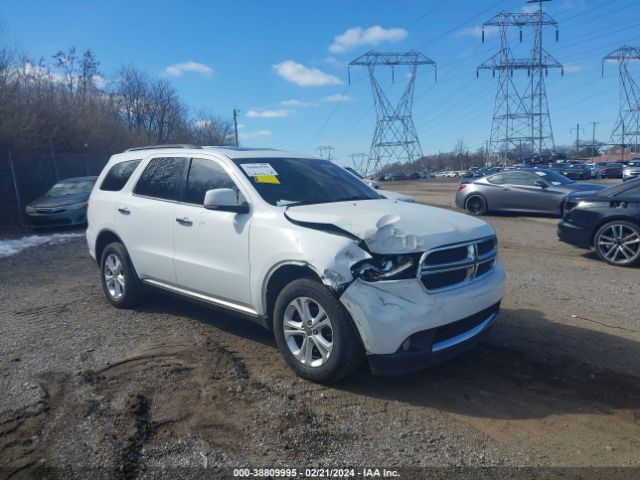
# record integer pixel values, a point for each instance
(267, 179)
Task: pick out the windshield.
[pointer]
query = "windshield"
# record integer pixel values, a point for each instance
(634, 164)
(553, 178)
(303, 181)
(71, 188)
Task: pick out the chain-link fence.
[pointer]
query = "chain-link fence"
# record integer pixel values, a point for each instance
(26, 176)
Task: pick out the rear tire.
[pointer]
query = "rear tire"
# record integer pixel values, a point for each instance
(618, 243)
(314, 332)
(119, 279)
(475, 205)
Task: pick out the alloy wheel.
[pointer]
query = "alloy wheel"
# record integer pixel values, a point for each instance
(308, 332)
(619, 244)
(114, 276)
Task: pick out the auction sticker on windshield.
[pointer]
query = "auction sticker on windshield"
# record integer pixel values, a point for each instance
(258, 169)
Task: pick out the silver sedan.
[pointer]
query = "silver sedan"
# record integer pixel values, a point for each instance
(534, 190)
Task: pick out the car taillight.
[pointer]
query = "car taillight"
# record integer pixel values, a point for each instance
(461, 186)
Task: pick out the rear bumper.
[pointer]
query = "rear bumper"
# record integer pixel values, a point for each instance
(574, 234)
(435, 346)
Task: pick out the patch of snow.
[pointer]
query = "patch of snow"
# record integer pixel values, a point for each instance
(11, 247)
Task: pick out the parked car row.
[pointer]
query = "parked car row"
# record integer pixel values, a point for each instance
(593, 216)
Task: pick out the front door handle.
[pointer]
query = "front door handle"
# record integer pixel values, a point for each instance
(184, 221)
(124, 211)
(506, 189)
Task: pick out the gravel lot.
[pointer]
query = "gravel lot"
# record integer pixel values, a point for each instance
(135, 394)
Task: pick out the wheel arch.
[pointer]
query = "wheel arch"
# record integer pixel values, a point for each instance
(104, 238)
(279, 276)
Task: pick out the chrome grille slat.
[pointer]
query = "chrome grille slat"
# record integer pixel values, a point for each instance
(441, 276)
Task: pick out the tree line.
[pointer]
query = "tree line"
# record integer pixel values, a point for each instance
(65, 104)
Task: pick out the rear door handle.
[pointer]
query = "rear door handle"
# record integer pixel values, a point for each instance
(506, 189)
(124, 211)
(184, 221)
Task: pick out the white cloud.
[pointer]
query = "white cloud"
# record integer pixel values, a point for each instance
(338, 97)
(254, 135)
(357, 37)
(179, 69)
(296, 103)
(304, 76)
(268, 113)
(476, 32)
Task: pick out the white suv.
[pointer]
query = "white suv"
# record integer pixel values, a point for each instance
(300, 246)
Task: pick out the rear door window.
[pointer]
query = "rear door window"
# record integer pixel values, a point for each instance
(162, 178)
(118, 175)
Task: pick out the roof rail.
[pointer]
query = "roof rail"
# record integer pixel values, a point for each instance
(152, 147)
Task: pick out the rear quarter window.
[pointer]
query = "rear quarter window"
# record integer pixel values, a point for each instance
(118, 175)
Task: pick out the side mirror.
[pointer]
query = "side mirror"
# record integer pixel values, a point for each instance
(224, 199)
(542, 184)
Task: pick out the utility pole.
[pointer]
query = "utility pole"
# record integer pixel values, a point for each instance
(593, 140)
(235, 124)
(395, 136)
(577, 129)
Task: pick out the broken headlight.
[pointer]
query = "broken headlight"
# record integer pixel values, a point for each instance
(386, 267)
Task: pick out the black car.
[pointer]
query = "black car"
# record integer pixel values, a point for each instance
(577, 171)
(65, 204)
(612, 170)
(607, 220)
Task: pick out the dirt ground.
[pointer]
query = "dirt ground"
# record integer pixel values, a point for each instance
(172, 387)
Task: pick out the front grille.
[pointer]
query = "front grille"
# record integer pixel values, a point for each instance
(457, 265)
(50, 210)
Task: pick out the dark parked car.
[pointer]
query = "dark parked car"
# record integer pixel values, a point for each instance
(612, 170)
(577, 171)
(533, 190)
(607, 220)
(64, 204)
(397, 176)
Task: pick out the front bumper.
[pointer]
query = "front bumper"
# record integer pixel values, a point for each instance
(574, 234)
(63, 219)
(388, 313)
(437, 345)
(630, 175)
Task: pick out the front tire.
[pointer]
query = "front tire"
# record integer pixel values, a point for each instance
(618, 243)
(475, 205)
(120, 281)
(314, 333)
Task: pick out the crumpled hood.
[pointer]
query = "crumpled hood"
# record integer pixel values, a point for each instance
(389, 227)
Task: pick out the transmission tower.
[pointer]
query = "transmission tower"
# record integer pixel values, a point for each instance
(627, 128)
(395, 137)
(360, 162)
(521, 114)
(326, 152)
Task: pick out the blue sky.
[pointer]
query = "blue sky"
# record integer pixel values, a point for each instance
(283, 63)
